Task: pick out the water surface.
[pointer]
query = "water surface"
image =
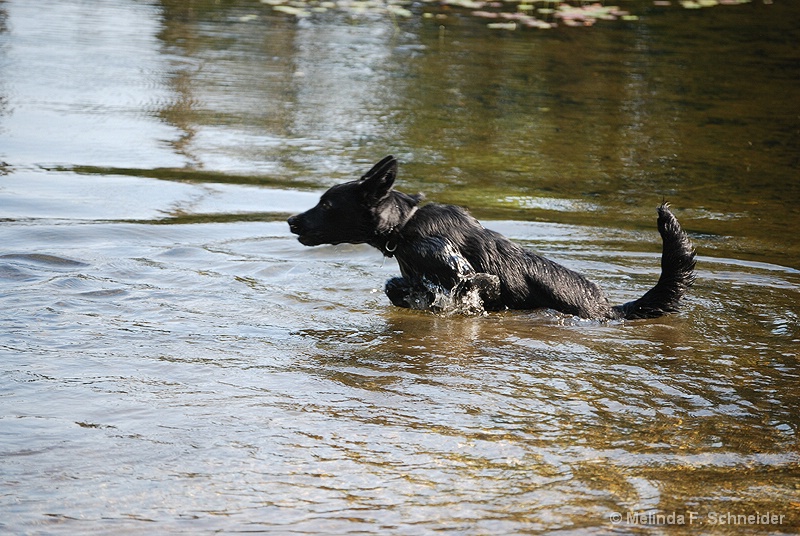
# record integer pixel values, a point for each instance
(175, 361)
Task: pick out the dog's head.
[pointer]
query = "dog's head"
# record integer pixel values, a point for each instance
(349, 212)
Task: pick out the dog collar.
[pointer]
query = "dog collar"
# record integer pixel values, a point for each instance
(393, 237)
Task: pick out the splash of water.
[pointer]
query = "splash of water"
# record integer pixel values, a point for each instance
(446, 302)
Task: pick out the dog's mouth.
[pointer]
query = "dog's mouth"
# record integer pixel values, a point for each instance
(309, 240)
(317, 240)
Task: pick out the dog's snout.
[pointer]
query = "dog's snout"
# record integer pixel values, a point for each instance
(294, 224)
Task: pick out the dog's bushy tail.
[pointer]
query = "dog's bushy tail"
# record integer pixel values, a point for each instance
(677, 272)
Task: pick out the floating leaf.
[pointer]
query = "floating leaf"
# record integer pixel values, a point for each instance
(502, 25)
(291, 10)
(513, 13)
(468, 4)
(587, 14)
(533, 22)
(399, 11)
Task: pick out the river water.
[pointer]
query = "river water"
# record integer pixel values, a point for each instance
(174, 361)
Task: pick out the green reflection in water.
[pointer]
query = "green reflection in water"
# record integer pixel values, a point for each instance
(592, 127)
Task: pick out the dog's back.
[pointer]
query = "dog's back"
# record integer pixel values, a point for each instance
(527, 280)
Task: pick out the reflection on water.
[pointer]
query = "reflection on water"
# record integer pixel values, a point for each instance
(174, 361)
(218, 375)
(82, 81)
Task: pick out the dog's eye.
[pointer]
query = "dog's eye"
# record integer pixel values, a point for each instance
(325, 205)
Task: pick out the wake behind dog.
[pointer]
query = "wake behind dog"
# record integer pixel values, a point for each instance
(445, 254)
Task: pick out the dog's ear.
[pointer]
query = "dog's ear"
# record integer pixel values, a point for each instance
(379, 180)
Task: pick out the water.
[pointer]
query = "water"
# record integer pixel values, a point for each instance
(175, 362)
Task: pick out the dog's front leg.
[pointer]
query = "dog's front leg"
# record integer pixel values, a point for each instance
(431, 267)
(487, 287)
(434, 267)
(402, 292)
(466, 280)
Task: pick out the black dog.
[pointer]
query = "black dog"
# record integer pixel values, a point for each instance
(443, 251)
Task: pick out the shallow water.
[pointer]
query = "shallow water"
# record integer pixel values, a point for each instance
(174, 361)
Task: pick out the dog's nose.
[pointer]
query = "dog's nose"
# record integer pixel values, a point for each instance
(293, 224)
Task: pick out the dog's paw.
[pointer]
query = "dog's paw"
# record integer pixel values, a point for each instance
(487, 285)
(476, 294)
(404, 294)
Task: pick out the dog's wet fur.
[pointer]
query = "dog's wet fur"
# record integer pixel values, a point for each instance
(444, 252)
